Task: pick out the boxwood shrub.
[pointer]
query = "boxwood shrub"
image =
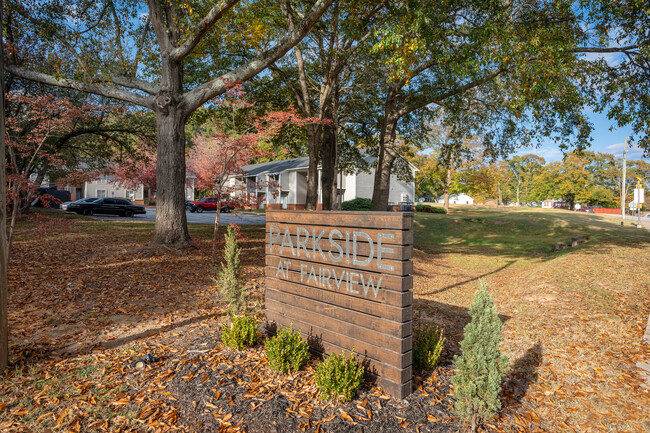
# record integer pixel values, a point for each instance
(357, 204)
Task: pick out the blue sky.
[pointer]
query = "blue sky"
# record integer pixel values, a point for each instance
(604, 141)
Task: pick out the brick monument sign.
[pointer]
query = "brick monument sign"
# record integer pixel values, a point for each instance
(344, 280)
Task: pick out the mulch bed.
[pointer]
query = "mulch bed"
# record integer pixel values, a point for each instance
(210, 387)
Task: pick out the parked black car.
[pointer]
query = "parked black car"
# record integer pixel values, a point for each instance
(64, 206)
(111, 206)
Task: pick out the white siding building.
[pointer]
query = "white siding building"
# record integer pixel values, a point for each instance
(284, 183)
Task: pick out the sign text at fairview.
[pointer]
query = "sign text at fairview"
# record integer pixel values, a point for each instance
(343, 279)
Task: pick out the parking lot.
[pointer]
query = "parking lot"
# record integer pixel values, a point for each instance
(241, 218)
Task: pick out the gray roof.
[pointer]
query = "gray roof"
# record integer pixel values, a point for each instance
(276, 166)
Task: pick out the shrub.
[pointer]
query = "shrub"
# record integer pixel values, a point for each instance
(357, 204)
(480, 368)
(429, 209)
(428, 346)
(339, 377)
(287, 351)
(229, 277)
(242, 332)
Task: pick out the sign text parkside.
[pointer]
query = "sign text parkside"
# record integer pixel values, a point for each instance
(340, 247)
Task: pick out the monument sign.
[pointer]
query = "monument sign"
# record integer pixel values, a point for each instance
(344, 280)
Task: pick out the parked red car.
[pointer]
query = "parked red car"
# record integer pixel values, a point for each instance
(209, 203)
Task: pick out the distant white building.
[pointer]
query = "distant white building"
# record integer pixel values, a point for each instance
(456, 199)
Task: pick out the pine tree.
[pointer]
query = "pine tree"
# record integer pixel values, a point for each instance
(229, 277)
(480, 368)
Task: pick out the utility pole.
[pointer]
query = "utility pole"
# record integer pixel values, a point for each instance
(623, 181)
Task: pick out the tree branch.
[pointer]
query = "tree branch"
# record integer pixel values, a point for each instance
(130, 82)
(605, 50)
(202, 28)
(122, 95)
(437, 99)
(156, 20)
(201, 94)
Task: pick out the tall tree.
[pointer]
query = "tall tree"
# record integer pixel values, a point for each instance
(4, 325)
(314, 78)
(501, 70)
(145, 58)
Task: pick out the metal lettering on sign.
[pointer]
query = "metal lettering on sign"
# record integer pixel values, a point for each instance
(344, 280)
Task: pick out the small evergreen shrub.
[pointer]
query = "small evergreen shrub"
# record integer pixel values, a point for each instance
(428, 346)
(229, 277)
(429, 209)
(241, 333)
(480, 367)
(339, 377)
(287, 351)
(357, 204)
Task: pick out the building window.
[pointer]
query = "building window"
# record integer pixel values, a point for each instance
(101, 193)
(130, 195)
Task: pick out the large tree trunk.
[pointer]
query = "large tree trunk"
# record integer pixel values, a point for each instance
(385, 160)
(171, 221)
(447, 185)
(313, 140)
(328, 163)
(4, 324)
(518, 193)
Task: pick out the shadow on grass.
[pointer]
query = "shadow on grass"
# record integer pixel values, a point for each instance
(35, 352)
(522, 374)
(444, 289)
(451, 318)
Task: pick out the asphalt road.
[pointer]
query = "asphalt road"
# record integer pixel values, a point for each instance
(242, 218)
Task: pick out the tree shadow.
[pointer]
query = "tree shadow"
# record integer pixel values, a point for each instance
(451, 318)
(444, 289)
(522, 374)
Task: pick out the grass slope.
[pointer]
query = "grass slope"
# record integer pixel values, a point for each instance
(573, 320)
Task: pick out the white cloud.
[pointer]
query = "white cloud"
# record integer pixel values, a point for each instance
(633, 152)
(549, 152)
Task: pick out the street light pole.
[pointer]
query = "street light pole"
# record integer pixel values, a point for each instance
(623, 181)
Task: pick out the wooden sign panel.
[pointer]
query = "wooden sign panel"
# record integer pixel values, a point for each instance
(344, 280)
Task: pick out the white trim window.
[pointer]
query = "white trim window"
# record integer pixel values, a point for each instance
(101, 193)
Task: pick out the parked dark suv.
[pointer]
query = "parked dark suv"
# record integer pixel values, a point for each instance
(107, 206)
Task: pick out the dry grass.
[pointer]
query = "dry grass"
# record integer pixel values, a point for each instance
(87, 298)
(574, 320)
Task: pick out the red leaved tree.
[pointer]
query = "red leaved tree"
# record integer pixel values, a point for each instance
(217, 157)
(136, 169)
(30, 133)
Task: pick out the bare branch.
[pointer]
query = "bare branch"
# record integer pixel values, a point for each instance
(201, 94)
(130, 82)
(419, 102)
(202, 28)
(156, 20)
(109, 92)
(605, 50)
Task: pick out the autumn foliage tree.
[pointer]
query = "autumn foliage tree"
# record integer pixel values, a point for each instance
(136, 169)
(32, 138)
(169, 57)
(217, 155)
